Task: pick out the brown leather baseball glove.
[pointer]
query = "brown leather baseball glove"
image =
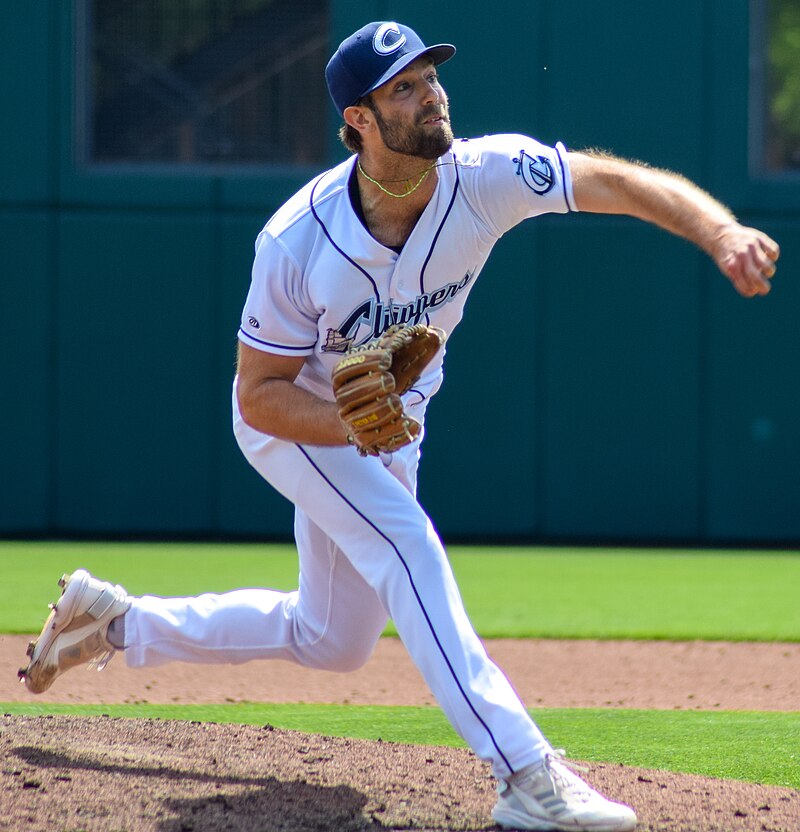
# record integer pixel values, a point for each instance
(370, 379)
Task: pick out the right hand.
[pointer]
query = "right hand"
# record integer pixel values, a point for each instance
(747, 257)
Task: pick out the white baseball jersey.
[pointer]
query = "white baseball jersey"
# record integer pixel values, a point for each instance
(321, 283)
(366, 548)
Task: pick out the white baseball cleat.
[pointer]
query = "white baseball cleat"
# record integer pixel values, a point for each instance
(75, 631)
(548, 796)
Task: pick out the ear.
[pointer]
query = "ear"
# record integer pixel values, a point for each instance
(359, 118)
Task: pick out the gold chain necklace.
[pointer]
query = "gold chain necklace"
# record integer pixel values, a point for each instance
(408, 192)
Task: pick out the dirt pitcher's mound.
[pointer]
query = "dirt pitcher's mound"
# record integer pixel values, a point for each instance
(103, 774)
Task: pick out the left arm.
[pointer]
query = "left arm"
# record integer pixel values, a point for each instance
(606, 185)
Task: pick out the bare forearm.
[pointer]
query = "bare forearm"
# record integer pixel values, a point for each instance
(664, 199)
(678, 206)
(280, 408)
(746, 256)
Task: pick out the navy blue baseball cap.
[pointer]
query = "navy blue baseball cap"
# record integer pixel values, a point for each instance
(373, 55)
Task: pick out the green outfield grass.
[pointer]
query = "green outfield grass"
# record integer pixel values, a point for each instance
(755, 747)
(508, 592)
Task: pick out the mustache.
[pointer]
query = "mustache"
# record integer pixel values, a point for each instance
(431, 111)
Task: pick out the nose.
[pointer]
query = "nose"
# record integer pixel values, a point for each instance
(431, 93)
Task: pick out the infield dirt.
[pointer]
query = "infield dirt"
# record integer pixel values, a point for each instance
(107, 775)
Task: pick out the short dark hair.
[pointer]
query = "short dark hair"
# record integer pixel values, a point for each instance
(349, 136)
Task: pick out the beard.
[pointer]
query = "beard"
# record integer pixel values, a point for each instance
(427, 142)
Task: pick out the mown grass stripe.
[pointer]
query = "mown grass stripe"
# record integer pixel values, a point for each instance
(578, 592)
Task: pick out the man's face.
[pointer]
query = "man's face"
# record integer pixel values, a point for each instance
(412, 112)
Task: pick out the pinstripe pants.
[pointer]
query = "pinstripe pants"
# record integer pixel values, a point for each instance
(367, 551)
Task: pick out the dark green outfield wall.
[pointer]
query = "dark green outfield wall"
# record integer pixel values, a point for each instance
(606, 382)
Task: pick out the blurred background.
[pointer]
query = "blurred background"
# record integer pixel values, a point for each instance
(606, 384)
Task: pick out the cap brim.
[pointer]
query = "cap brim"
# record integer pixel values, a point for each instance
(440, 53)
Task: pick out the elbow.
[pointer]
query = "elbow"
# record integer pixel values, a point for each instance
(263, 388)
(250, 399)
(244, 403)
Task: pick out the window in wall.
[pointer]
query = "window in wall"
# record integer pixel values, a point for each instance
(188, 82)
(775, 86)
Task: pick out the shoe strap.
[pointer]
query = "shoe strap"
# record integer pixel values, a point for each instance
(102, 604)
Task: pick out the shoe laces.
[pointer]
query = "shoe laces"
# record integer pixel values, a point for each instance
(104, 654)
(99, 663)
(558, 755)
(562, 772)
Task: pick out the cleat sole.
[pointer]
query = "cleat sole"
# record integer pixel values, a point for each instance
(58, 649)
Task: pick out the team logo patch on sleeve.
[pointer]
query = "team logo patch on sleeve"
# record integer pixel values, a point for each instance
(536, 172)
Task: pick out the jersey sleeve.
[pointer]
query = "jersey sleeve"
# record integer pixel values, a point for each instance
(277, 316)
(518, 177)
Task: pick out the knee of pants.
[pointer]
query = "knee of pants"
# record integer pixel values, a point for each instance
(342, 654)
(346, 661)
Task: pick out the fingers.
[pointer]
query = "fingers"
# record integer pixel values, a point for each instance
(749, 276)
(750, 282)
(771, 248)
(750, 262)
(767, 255)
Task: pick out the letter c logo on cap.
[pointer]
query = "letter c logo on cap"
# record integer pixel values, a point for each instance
(388, 39)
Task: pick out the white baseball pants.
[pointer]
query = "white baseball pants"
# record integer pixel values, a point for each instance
(367, 551)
